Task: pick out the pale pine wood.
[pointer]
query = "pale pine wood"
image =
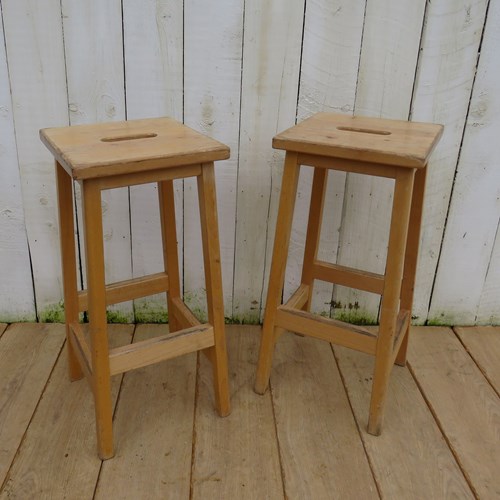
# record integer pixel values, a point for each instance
(391, 296)
(63, 462)
(27, 354)
(213, 283)
(154, 430)
(332, 134)
(97, 317)
(412, 460)
(236, 457)
(183, 314)
(299, 298)
(161, 348)
(463, 402)
(278, 265)
(81, 350)
(16, 287)
(270, 77)
(474, 213)
(455, 52)
(483, 344)
(313, 418)
(68, 261)
(328, 75)
(128, 289)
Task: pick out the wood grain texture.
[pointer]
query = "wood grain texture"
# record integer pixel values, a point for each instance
(464, 404)
(403, 467)
(483, 344)
(271, 51)
(153, 51)
(329, 69)
(313, 417)
(34, 43)
(237, 456)
(63, 462)
(471, 296)
(93, 50)
(27, 355)
(450, 42)
(153, 429)
(16, 286)
(212, 78)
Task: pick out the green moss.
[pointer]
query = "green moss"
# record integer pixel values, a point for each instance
(113, 316)
(53, 313)
(355, 317)
(249, 319)
(150, 313)
(441, 320)
(12, 318)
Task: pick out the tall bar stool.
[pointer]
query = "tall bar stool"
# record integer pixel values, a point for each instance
(386, 148)
(112, 155)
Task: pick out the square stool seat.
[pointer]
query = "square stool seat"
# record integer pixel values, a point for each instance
(120, 154)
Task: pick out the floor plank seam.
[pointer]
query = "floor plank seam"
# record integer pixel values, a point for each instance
(467, 350)
(21, 442)
(443, 433)
(360, 433)
(193, 438)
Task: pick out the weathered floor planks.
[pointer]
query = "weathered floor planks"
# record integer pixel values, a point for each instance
(305, 438)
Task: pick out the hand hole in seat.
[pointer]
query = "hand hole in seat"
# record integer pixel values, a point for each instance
(364, 130)
(131, 137)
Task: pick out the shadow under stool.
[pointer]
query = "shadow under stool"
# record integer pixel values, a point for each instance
(112, 155)
(392, 149)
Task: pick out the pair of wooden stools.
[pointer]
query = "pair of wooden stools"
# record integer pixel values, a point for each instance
(112, 155)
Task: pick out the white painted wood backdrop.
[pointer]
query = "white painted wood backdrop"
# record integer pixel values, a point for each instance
(241, 71)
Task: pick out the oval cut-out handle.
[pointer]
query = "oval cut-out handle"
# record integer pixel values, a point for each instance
(364, 130)
(131, 137)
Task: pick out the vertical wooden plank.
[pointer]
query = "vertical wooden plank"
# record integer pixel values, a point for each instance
(321, 452)
(488, 312)
(154, 430)
(474, 216)
(384, 90)
(271, 55)
(330, 59)
(27, 355)
(62, 463)
(465, 405)
(16, 286)
(94, 64)
(212, 59)
(236, 457)
(153, 48)
(411, 459)
(450, 42)
(34, 43)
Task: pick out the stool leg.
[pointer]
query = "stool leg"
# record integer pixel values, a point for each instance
(390, 299)
(277, 275)
(411, 256)
(213, 279)
(314, 229)
(101, 384)
(68, 260)
(170, 256)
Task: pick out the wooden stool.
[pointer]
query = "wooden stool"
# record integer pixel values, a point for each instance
(112, 155)
(386, 148)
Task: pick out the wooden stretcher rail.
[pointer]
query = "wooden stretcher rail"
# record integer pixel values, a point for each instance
(402, 324)
(299, 298)
(183, 314)
(129, 289)
(147, 352)
(81, 348)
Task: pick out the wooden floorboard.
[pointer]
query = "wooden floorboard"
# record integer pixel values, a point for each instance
(305, 438)
(483, 344)
(411, 458)
(3, 326)
(463, 402)
(236, 456)
(153, 428)
(27, 355)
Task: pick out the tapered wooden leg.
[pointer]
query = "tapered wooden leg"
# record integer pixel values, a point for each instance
(68, 261)
(213, 279)
(97, 317)
(314, 229)
(170, 255)
(411, 256)
(278, 265)
(390, 300)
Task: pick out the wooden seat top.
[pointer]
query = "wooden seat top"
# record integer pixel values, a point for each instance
(106, 149)
(377, 140)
